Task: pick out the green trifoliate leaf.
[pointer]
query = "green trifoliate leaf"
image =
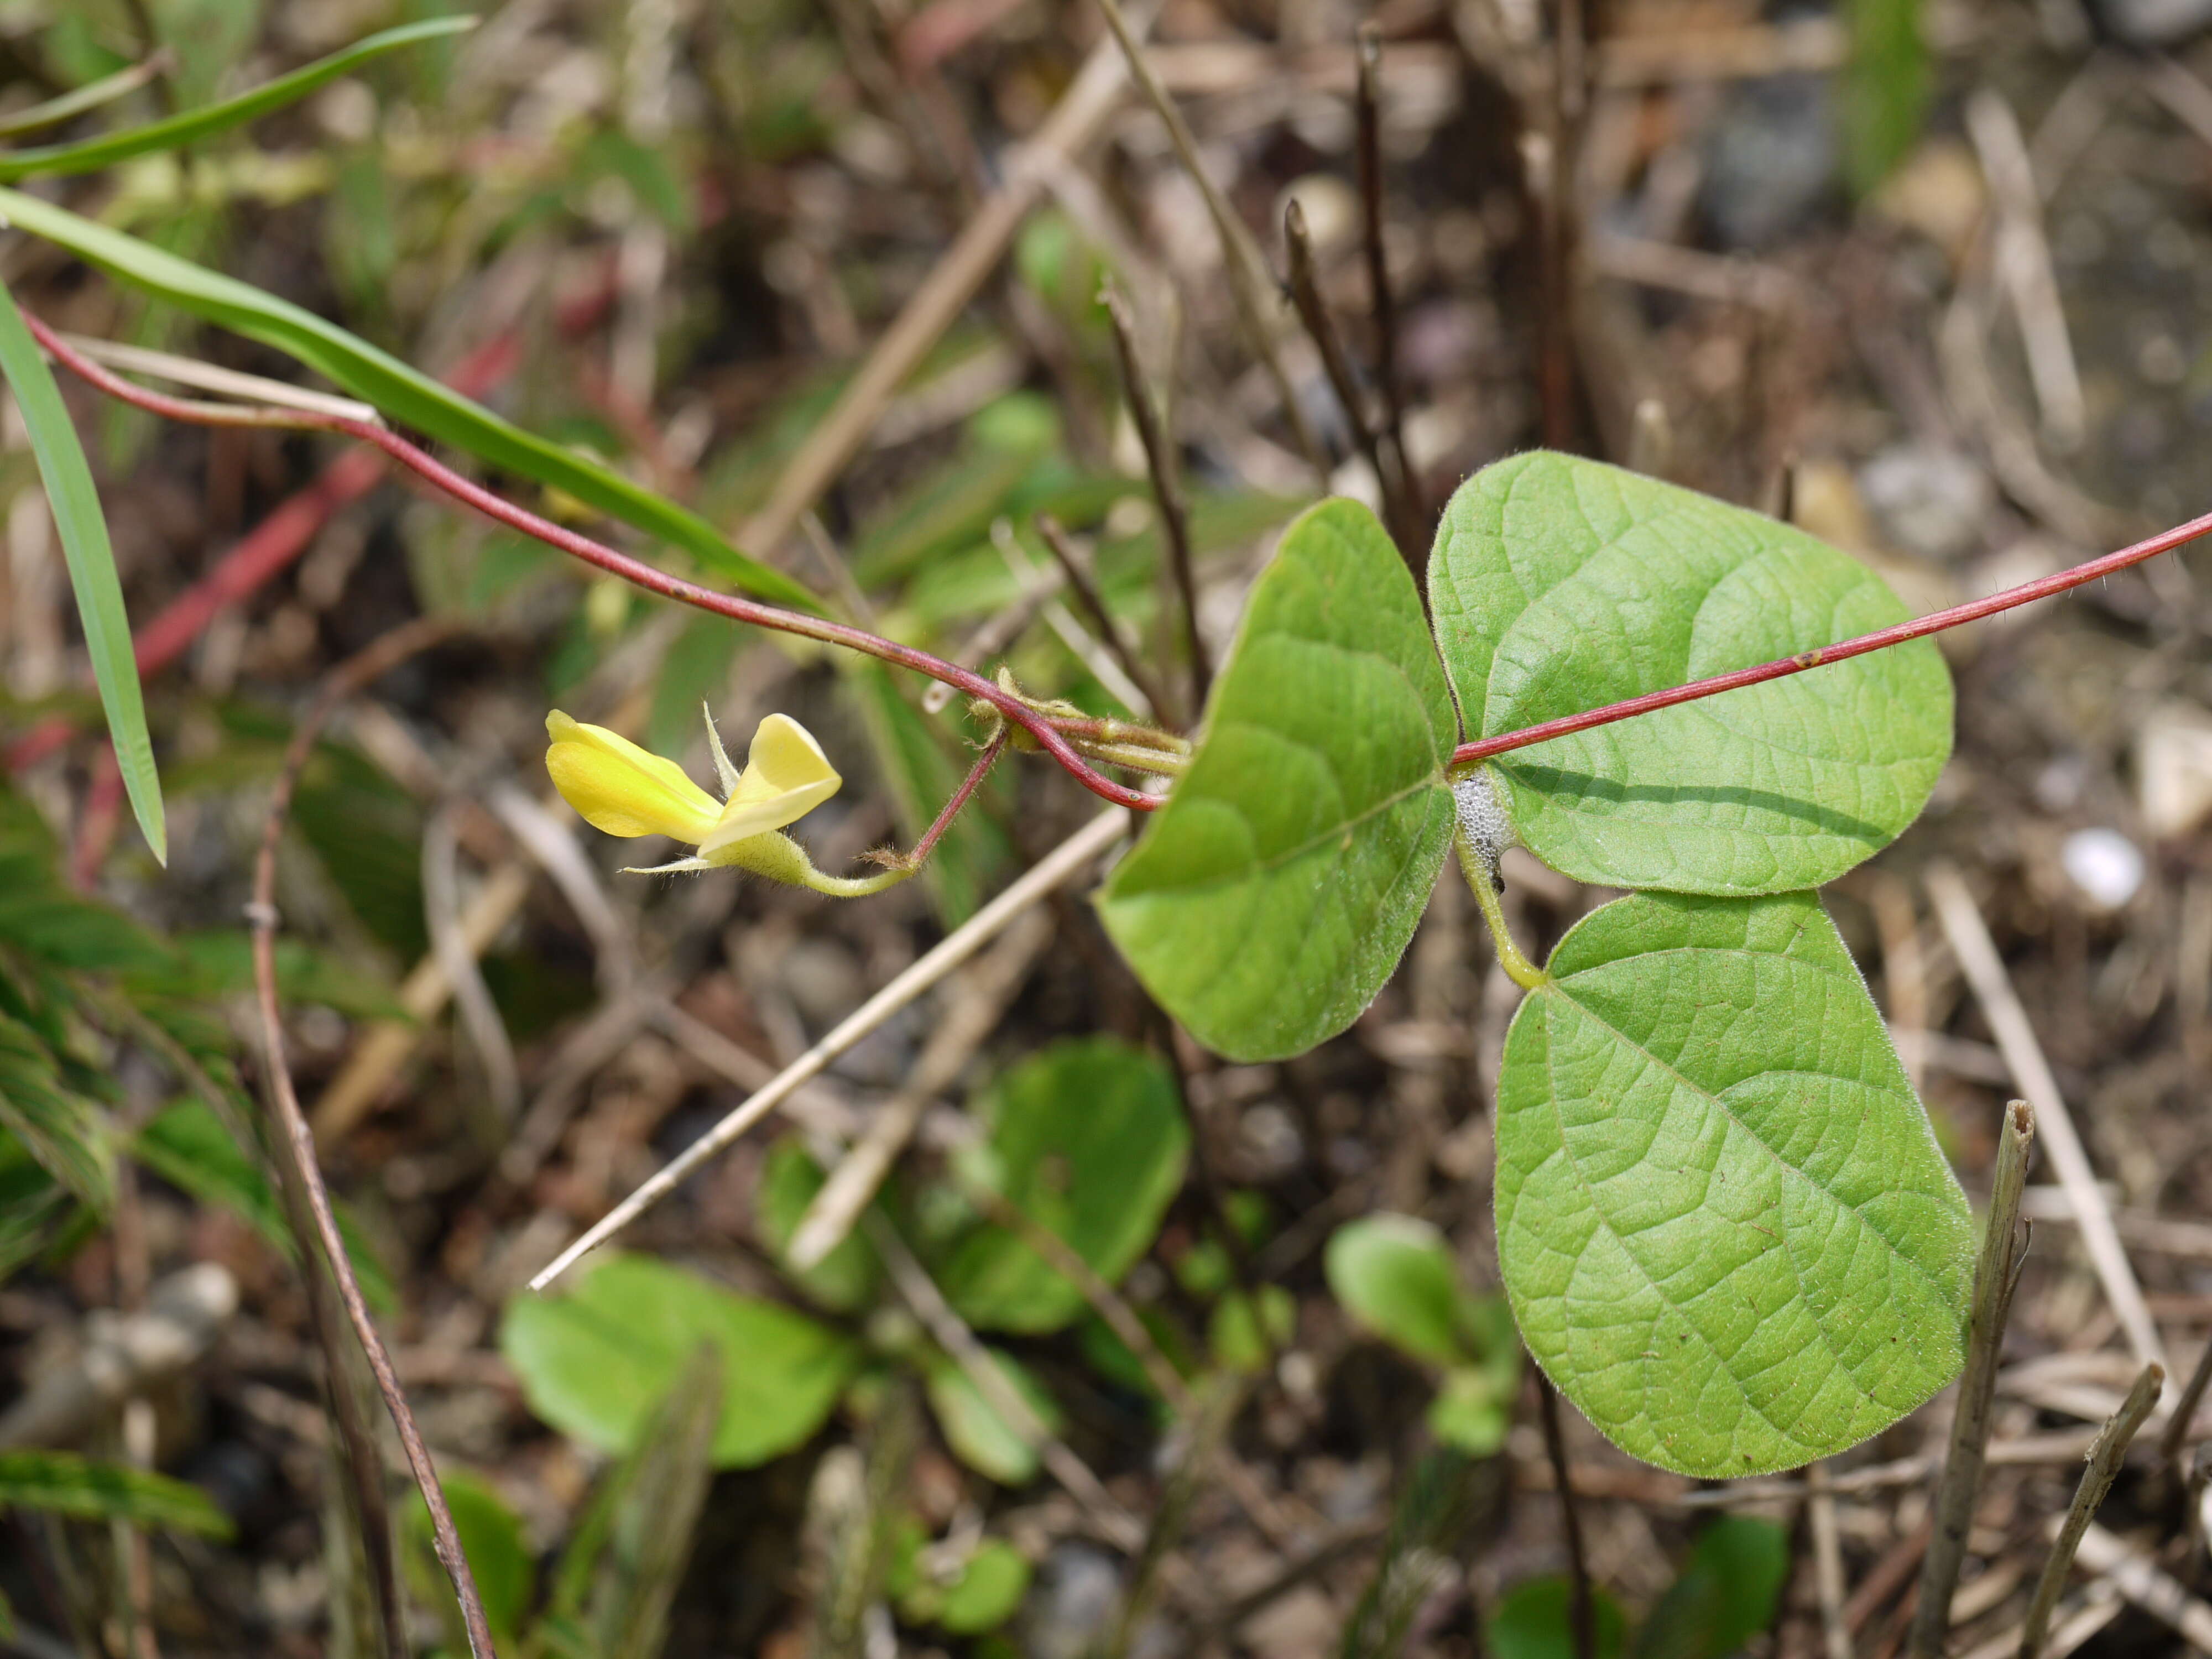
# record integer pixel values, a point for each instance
(1275, 891)
(1722, 1219)
(1561, 585)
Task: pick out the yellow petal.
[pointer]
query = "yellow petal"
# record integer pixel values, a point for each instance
(787, 775)
(623, 789)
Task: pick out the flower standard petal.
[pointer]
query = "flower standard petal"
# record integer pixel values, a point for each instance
(618, 787)
(787, 775)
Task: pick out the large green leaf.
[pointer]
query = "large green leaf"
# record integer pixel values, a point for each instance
(407, 396)
(91, 561)
(63, 1483)
(1088, 1140)
(194, 124)
(1725, 1596)
(979, 1434)
(1275, 891)
(595, 1362)
(1722, 1219)
(1561, 585)
(1395, 1275)
(1533, 1622)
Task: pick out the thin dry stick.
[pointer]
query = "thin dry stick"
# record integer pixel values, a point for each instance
(1336, 363)
(979, 1001)
(2024, 268)
(1167, 487)
(2015, 1034)
(1827, 1560)
(2185, 1413)
(1065, 862)
(922, 1295)
(1249, 284)
(2138, 1578)
(299, 1142)
(970, 259)
(1582, 1613)
(1367, 104)
(2105, 1460)
(1995, 1276)
(1077, 570)
(1073, 634)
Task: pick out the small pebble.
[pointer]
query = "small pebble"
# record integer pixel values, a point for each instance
(2105, 865)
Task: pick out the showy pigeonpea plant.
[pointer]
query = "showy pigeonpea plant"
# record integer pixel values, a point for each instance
(1723, 1223)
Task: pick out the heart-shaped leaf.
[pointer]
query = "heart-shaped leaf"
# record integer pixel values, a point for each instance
(1275, 891)
(1088, 1140)
(1561, 585)
(596, 1362)
(1722, 1219)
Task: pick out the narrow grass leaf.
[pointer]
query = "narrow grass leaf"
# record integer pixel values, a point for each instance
(83, 532)
(405, 394)
(63, 1483)
(55, 161)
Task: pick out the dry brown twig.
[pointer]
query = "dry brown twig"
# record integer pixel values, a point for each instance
(1249, 284)
(1167, 486)
(297, 1142)
(1071, 857)
(2105, 1458)
(1996, 1273)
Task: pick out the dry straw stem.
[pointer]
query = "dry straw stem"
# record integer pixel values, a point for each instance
(2015, 1034)
(1077, 570)
(1249, 284)
(977, 1002)
(1167, 486)
(1996, 1273)
(1336, 363)
(2185, 1413)
(2022, 255)
(1367, 104)
(2105, 1458)
(1582, 1613)
(297, 1141)
(971, 259)
(1827, 1560)
(2136, 1577)
(1062, 863)
(922, 1295)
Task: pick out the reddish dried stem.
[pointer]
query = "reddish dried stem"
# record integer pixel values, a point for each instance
(1935, 623)
(636, 572)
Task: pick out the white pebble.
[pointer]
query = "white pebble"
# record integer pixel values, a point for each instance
(2105, 865)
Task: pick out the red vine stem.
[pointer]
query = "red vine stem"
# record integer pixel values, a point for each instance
(634, 571)
(1935, 623)
(1038, 725)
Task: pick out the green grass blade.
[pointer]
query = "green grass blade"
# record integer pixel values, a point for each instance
(407, 396)
(63, 1483)
(91, 567)
(53, 161)
(90, 96)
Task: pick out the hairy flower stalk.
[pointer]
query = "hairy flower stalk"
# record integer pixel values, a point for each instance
(624, 790)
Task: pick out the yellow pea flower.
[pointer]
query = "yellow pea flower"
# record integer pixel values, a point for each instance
(617, 787)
